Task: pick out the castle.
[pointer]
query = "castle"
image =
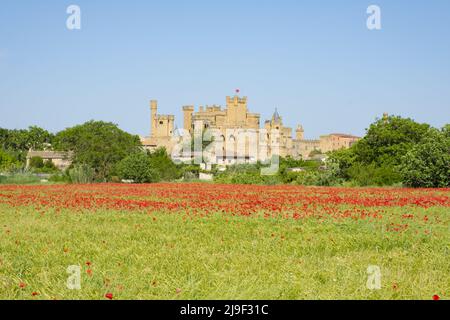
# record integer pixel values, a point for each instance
(235, 118)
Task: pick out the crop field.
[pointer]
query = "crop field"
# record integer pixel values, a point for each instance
(212, 241)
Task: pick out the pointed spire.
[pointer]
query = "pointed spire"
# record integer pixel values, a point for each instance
(276, 116)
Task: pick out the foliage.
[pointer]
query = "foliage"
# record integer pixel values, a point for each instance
(137, 167)
(7, 162)
(190, 172)
(388, 139)
(38, 165)
(21, 178)
(81, 173)
(36, 162)
(373, 175)
(17, 142)
(60, 177)
(428, 164)
(161, 163)
(34, 138)
(375, 159)
(342, 160)
(322, 177)
(97, 144)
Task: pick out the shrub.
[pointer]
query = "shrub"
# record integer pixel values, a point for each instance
(371, 175)
(163, 165)
(20, 178)
(36, 163)
(81, 173)
(7, 162)
(137, 167)
(428, 163)
(247, 178)
(307, 178)
(59, 178)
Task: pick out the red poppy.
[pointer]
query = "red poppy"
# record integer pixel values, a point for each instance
(436, 297)
(22, 285)
(89, 272)
(88, 263)
(35, 293)
(109, 296)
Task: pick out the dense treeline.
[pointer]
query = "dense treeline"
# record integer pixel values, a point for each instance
(395, 151)
(102, 152)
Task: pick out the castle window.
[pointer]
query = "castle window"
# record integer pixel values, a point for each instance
(161, 122)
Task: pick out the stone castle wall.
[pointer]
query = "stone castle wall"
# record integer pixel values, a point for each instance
(236, 116)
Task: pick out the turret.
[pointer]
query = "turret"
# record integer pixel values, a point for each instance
(153, 117)
(299, 133)
(187, 111)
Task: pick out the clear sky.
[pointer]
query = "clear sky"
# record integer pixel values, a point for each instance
(314, 60)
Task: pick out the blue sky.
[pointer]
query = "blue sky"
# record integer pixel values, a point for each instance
(314, 60)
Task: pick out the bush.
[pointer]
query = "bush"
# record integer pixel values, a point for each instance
(36, 163)
(428, 163)
(7, 162)
(163, 165)
(60, 178)
(137, 167)
(20, 178)
(307, 178)
(373, 175)
(247, 178)
(81, 173)
(100, 145)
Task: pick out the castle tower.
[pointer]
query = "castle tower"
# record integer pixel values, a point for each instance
(170, 125)
(276, 119)
(237, 110)
(153, 116)
(187, 113)
(299, 133)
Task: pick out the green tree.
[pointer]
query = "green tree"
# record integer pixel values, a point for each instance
(36, 163)
(428, 164)
(373, 175)
(38, 138)
(17, 142)
(163, 165)
(342, 160)
(388, 139)
(7, 162)
(100, 145)
(374, 159)
(137, 167)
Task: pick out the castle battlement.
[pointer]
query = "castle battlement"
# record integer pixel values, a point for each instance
(236, 100)
(165, 117)
(235, 115)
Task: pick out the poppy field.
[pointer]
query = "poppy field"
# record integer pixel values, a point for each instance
(212, 241)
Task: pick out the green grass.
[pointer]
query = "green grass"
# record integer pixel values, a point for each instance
(20, 178)
(166, 256)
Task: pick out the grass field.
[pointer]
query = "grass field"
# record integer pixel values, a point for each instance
(207, 241)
